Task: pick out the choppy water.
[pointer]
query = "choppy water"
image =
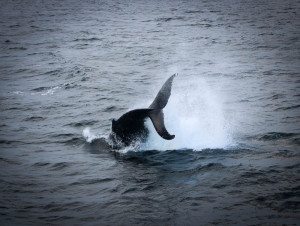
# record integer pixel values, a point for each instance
(68, 67)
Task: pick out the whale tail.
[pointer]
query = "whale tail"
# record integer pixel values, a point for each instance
(131, 123)
(157, 118)
(156, 114)
(163, 95)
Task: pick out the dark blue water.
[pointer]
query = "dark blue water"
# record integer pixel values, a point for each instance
(67, 68)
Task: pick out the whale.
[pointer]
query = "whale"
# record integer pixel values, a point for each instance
(131, 128)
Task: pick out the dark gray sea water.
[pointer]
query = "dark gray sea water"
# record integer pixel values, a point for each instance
(67, 68)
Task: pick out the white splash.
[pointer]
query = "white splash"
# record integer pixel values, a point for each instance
(88, 135)
(195, 115)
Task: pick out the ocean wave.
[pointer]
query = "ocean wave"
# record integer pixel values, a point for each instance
(44, 90)
(34, 119)
(82, 123)
(72, 141)
(280, 201)
(167, 19)
(287, 108)
(9, 161)
(88, 39)
(61, 165)
(92, 181)
(275, 136)
(41, 164)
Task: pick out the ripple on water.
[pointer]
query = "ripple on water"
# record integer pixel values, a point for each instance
(72, 141)
(60, 165)
(280, 201)
(35, 119)
(42, 88)
(82, 123)
(41, 164)
(92, 181)
(88, 39)
(9, 161)
(287, 108)
(275, 136)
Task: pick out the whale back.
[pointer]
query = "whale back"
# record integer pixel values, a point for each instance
(130, 126)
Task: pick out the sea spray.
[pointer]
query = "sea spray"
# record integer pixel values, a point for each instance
(195, 115)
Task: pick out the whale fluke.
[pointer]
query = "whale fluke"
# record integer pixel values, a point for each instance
(163, 95)
(157, 118)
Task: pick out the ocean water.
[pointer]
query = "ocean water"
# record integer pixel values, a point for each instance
(67, 68)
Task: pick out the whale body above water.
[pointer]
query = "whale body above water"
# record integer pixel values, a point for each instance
(130, 127)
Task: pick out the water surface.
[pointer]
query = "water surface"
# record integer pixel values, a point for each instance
(69, 67)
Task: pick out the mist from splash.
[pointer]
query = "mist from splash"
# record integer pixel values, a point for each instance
(195, 115)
